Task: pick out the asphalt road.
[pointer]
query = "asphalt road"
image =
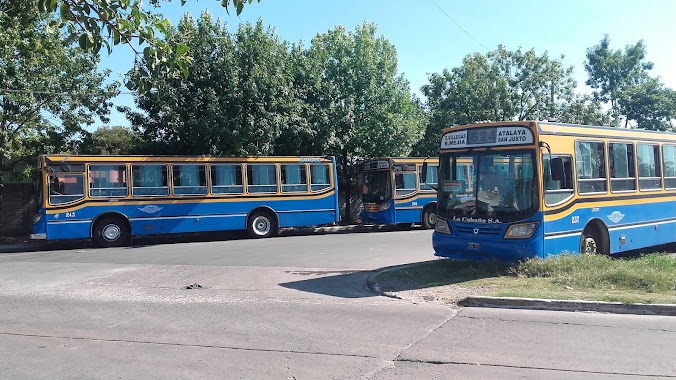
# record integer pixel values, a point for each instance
(294, 307)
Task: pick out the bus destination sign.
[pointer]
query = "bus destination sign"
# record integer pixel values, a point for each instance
(488, 136)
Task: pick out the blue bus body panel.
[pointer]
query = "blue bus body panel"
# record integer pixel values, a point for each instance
(630, 226)
(410, 211)
(182, 216)
(379, 217)
(485, 242)
(41, 226)
(69, 229)
(408, 215)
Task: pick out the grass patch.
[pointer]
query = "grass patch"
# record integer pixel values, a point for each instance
(647, 279)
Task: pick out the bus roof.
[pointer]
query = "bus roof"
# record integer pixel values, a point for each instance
(114, 158)
(418, 160)
(546, 128)
(590, 131)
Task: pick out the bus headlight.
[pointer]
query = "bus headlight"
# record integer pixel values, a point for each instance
(37, 218)
(441, 226)
(385, 206)
(521, 231)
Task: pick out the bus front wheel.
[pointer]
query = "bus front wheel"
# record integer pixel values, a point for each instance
(429, 218)
(111, 232)
(261, 225)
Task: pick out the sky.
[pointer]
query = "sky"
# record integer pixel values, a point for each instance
(433, 35)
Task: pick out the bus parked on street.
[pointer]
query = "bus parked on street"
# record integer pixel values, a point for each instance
(111, 198)
(393, 193)
(542, 188)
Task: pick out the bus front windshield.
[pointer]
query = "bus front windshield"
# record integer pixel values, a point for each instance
(377, 186)
(497, 187)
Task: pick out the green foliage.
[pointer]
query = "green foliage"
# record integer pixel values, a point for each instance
(650, 273)
(365, 109)
(647, 279)
(234, 100)
(48, 90)
(502, 85)
(621, 79)
(105, 23)
(252, 94)
(115, 140)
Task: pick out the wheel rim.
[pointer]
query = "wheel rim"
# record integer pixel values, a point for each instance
(261, 225)
(111, 232)
(431, 218)
(589, 246)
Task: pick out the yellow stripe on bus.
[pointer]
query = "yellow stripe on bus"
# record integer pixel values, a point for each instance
(407, 200)
(160, 200)
(587, 204)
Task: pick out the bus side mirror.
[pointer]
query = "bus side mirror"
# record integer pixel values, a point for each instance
(423, 175)
(558, 173)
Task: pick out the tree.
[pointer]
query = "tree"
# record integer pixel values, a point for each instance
(252, 94)
(115, 140)
(583, 109)
(234, 100)
(367, 109)
(501, 85)
(48, 90)
(98, 23)
(621, 79)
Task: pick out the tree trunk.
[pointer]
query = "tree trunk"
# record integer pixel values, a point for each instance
(348, 195)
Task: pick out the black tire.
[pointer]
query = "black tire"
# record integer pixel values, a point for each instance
(591, 243)
(111, 232)
(429, 218)
(261, 224)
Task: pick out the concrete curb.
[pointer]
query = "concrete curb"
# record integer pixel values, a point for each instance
(374, 287)
(45, 246)
(563, 305)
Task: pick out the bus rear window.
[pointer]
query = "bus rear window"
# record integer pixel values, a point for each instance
(319, 177)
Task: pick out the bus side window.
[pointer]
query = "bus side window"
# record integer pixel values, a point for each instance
(558, 178)
(591, 166)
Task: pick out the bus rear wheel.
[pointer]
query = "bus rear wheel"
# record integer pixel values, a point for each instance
(591, 243)
(111, 232)
(429, 218)
(261, 225)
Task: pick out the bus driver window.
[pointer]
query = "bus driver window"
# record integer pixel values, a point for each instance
(56, 187)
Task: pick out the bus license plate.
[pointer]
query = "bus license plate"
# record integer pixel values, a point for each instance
(472, 245)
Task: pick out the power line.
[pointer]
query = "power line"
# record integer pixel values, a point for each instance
(458, 25)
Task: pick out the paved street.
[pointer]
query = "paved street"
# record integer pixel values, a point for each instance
(294, 307)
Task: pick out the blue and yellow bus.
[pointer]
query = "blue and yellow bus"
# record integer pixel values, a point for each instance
(393, 193)
(112, 198)
(541, 188)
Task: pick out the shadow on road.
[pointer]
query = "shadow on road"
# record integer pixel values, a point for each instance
(413, 276)
(342, 284)
(22, 244)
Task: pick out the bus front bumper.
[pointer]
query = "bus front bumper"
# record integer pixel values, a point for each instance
(461, 248)
(380, 217)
